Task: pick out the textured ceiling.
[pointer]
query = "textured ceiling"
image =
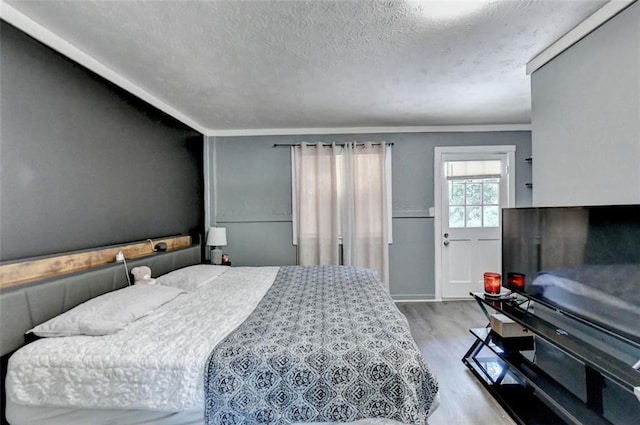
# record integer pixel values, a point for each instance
(231, 65)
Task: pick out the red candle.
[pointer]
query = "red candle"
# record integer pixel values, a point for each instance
(515, 280)
(492, 283)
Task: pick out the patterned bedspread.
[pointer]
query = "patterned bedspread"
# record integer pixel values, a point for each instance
(326, 344)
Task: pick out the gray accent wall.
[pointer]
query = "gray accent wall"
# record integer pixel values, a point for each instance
(251, 196)
(84, 164)
(586, 119)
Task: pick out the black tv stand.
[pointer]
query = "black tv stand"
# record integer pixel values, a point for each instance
(531, 396)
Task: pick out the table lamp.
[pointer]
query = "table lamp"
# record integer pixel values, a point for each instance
(217, 237)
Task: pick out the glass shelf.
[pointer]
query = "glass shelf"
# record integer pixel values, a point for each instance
(504, 364)
(511, 366)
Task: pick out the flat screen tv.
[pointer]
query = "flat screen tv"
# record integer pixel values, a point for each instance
(583, 261)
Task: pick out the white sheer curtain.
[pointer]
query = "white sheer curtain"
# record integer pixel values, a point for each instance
(365, 223)
(342, 195)
(317, 218)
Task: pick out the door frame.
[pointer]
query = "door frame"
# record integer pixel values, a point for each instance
(438, 177)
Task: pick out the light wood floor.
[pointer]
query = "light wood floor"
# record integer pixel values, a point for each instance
(441, 330)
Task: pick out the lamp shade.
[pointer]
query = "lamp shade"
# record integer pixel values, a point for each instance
(217, 236)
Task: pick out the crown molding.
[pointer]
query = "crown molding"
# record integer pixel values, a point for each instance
(580, 31)
(369, 130)
(57, 43)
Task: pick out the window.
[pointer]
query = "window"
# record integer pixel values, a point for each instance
(342, 205)
(474, 193)
(474, 202)
(335, 174)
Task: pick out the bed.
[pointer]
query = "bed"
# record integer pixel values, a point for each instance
(287, 344)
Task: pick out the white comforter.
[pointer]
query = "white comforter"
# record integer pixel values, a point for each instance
(156, 363)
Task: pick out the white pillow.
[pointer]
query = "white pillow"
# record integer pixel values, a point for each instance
(191, 277)
(108, 313)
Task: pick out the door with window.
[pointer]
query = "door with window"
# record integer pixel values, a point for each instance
(474, 186)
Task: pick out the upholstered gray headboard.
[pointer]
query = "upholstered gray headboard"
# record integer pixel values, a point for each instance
(26, 306)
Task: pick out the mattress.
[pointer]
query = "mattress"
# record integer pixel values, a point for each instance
(69, 416)
(150, 372)
(155, 364)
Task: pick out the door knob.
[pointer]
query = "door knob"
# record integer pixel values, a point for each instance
(446, 243)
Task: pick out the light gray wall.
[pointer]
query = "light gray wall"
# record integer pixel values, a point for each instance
(586, 119)
(84, 164)
(586, 148)
(251, 185)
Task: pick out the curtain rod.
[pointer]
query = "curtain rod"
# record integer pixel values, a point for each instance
(288, 145)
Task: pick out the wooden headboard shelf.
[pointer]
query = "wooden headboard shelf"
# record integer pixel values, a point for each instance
(23, 272)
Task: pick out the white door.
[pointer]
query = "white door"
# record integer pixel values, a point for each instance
(475, 183)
